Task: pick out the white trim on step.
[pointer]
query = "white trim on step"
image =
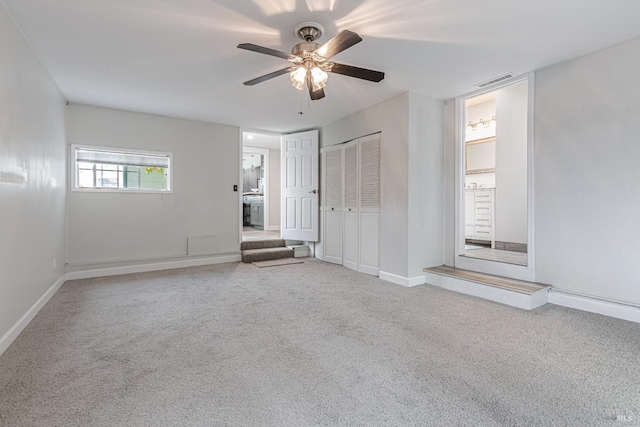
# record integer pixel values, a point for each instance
(492, 293)
(152, 266)
(400, 280)
(594, 305)
(22, 323)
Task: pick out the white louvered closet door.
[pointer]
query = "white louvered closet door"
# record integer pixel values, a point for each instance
(369, 209)
(332, 204)
(350, 203)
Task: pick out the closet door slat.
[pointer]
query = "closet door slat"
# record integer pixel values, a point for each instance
(333, 167)
(351, 176)
(370, 173)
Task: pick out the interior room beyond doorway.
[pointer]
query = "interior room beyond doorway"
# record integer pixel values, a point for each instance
(260, 183)
(495, 180)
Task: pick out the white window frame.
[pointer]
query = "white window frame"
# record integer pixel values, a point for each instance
(74, 170)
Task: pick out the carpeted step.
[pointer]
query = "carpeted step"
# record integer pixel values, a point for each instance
(266, 254)
(261, 244)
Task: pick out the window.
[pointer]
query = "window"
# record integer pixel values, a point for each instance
(113, 169)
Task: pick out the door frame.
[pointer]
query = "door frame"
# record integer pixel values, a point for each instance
(484, 266)
(244, 131)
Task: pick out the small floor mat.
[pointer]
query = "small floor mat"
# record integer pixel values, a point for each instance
(277, 262)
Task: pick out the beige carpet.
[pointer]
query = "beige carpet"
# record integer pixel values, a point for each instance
(277, 262)
(314, 345)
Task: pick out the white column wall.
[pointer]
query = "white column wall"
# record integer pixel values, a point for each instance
(426, 184)
(32, 180)
(449, 182)
(412, 180)
(117, 227)
(392, 119)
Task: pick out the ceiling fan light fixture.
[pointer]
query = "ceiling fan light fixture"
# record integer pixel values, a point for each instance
(312, 61)
(318, 78)
(298, 77)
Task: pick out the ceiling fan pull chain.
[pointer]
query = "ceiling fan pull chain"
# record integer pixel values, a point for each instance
(300, 100)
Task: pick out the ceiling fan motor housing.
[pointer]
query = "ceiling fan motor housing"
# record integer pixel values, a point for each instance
(304, 49)
(309, 31)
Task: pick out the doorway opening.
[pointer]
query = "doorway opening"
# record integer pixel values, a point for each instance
(260, 181)
(495, 212)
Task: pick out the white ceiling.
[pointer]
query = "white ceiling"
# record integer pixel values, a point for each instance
(251, 159)
(179, 57)
(260, 140)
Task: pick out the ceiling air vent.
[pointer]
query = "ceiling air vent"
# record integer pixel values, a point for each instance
(496, 80)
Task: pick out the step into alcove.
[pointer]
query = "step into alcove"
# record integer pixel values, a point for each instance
(516, 293)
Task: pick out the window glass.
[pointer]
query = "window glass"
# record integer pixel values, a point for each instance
(114, 169)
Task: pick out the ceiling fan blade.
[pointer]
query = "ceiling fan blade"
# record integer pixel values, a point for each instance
(319, 94)
(357, 72)
(267, 51)
(341, 41)
(267, 77)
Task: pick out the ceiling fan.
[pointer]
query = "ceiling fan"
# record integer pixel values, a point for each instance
(311, 60)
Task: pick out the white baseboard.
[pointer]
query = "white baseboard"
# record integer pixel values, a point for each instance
(400, 280)
(350, 265)
(492, 293)
(272, 228)
(18, 327)
(372, 271)
(152, 266)
(22, 323)
(593, 305)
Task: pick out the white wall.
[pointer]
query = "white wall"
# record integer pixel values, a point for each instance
(391, 118)
(587, 173)
(485, 111)
(412, 179)
(450, 182)
(426, 184)
(117, 227)
(511, 164)
(274, 190)
(32, 180)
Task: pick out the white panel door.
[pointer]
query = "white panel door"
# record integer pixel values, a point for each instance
(333, 237)
(350, 233)
(350, 240)
(332, 204)
(299, 198)
(369, 243)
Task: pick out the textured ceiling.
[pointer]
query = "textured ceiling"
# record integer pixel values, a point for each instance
(179, 57)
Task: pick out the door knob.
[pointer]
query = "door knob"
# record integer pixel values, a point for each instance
(314, 191)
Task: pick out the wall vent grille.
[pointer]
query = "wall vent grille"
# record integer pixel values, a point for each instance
(496, 80)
